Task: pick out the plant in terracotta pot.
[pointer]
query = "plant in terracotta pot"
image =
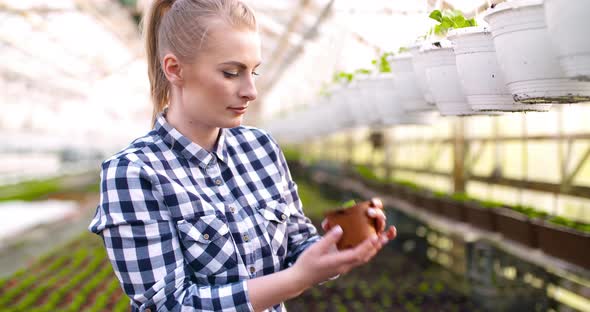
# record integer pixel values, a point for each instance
(410, 192)
(446, 204)
(480, 213)
(565, 239)
(369, 178)
(355, 222)
(426, 199)
(514, 223)
(454, 208)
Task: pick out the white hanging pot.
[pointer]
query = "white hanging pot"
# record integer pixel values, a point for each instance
(420, 118)
(420, 71)
(527, 57)
(480, 76)
(443, 82)
(389, 109)
(409, 93)
(336, 101)
(350, 98)
(568, 25)
(390, 105)
(368, 100)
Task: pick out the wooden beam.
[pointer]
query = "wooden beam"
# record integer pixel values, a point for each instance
(554, 188)
(572, 137)
(459, 156)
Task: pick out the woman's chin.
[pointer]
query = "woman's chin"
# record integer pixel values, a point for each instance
(235, 122)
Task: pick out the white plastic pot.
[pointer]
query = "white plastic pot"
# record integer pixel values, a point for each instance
(480, 76)
(568, 25)
(367, 103)
(349, 97)
(338, 101)
(389, 108)
(527, 57)
(443, 82)
(409, 93)
(420, 71)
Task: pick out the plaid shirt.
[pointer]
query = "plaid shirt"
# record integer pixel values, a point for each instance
(185, 228)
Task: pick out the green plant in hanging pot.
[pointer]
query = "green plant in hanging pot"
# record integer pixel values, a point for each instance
(382, 63)
(448, 20)
(440, 65)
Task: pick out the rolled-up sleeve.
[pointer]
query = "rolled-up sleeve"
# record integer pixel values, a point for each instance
(143, 247)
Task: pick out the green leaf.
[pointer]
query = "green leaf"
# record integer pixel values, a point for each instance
(436, 15)
(349, 203)
(458, 21)
(446, 23)
(363, 71)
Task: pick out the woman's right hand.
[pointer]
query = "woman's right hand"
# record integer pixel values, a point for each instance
(322, 260)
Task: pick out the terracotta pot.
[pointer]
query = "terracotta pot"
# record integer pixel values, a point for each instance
(452, 209)
(430, 203)
(480, 217)
(355, 222)
(515, 226)
(563, 242)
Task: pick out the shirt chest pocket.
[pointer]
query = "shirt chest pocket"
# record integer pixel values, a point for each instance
(275, 218)
(209, 248)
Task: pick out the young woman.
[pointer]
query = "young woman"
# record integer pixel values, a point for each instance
(201, 214)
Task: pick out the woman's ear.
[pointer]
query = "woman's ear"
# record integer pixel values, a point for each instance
(172, 69)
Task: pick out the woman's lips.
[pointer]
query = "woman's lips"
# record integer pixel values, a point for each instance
(238, 110)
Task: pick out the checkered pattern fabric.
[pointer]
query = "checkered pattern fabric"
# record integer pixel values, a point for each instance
(185, 228)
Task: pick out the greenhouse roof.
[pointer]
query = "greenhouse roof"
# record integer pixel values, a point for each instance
(70, 67)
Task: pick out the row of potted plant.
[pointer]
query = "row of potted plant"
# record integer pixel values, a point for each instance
(378, 97)
(514, 63)
(555, 235)
(530, 56)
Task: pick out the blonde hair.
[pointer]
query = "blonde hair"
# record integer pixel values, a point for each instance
(180, 27)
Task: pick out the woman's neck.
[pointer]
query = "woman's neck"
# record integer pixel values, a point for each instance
(203, 135)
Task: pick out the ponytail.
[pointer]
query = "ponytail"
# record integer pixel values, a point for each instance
(159, 84)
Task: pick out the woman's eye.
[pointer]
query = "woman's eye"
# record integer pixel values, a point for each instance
(255, 73)
(230, 74)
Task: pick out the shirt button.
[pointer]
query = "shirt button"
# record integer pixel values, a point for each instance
(206, 236)
(246, 238)
(217, 181)
(232, 209)
(284, 217)
(252, 270)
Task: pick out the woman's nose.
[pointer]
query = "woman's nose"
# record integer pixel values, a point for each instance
(248, 90)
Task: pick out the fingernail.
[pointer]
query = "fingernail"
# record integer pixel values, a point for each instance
(374, 238)
(384, 239)
(337, 229)
(371, 212)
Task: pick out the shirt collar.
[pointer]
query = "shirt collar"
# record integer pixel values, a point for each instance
(188, 149)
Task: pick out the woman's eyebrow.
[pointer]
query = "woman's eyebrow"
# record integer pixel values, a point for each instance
(238, 64)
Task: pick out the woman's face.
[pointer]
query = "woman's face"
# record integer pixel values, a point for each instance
(219, 85)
